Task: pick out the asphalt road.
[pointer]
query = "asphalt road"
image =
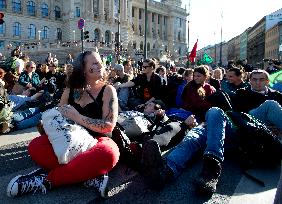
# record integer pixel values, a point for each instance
(127, 186)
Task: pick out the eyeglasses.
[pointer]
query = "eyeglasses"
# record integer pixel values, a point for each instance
(32, 67)
(146, 66)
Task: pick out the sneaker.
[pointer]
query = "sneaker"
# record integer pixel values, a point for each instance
(30, 183)
(155, 169)
(209, 175)
(100, 183)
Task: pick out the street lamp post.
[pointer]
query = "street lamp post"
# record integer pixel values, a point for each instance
(118, 40)
(146, 22)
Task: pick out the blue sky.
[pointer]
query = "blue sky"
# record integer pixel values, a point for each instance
(238, 15)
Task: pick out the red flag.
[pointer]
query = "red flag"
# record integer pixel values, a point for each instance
(193, 53)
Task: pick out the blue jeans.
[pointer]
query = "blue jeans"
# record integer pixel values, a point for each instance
(27, 118)
(269, 112)
(209, 137)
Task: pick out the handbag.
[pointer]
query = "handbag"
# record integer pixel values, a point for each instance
(67, 138)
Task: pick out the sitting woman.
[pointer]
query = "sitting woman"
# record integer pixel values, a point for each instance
(195, 93)
(95, 107)
(29, 78)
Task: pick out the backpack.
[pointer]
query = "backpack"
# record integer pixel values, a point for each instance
(130, 152)
(258, 146)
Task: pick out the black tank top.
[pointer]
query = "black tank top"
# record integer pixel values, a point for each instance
(91, 110)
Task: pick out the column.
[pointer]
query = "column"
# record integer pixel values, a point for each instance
(156, 26)
(111, 10)
(136, 21)
(162, 30)
(101, 10)
(170, 34)
(130, 11)
(149, 26)
(142, 21)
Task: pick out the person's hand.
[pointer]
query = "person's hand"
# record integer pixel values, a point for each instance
(191, 121)
(141, 106)
(160, 113)
(29, 85)
(69, 112)
(117, 85)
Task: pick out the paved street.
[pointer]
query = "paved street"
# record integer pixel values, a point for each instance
(126, 186)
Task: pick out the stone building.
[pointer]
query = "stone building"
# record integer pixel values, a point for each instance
(47, 22)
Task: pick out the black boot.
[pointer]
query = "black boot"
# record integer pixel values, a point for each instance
(209, 175)
(155, 169)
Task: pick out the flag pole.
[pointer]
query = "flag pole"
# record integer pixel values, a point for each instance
(188, 30)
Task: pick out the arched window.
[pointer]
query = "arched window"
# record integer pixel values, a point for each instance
(16, 6)
(96, 35)
(179, 36)
(57, 12)
(2, 29)
(32, 31)
(59, 34)
(141, 46)
(3, 4)
(44, 10)
(107, 37)
(45, 32)
(30, 7)
(17, 29)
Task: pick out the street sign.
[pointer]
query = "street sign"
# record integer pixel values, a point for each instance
(80, 23)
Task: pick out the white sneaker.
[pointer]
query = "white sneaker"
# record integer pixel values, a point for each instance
(100, 183)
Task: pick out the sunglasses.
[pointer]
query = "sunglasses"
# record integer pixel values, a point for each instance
(146, 66)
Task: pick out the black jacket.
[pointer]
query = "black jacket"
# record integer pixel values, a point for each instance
(245, 99)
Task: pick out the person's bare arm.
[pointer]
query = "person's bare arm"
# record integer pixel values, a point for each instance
(109, 116)
(65, 97)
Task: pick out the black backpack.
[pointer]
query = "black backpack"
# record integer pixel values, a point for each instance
(258, 146)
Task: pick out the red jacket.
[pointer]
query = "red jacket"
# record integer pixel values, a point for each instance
(195, 103)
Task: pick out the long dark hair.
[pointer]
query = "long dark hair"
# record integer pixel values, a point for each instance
(77, 79)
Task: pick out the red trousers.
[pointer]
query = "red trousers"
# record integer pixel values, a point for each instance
(97, 161)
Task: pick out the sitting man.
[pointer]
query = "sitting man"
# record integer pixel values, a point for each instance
(210, 138)
(259, 97)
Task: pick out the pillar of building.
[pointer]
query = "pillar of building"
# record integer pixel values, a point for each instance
(101, 10)
(149, 25)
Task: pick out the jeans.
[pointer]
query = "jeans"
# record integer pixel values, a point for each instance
(269, 112)
(123, 94)
(209, 137)
(28, 118)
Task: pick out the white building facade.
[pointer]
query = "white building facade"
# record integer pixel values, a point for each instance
(55, 21)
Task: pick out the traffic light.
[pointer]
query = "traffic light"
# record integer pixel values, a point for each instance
(86, 35)
(1, 18)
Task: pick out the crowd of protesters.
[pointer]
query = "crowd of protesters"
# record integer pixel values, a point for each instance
(150, 89)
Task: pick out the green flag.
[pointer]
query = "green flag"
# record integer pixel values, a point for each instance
(207, 59)
(275, 77)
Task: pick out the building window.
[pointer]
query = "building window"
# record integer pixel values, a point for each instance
(2, 45)
(32, 31)
(57, 12)
(16, 6)
(3, 4)
(45, 32)
(17, 29)
(96, 7)
(44, 10)
(133, 14)
(107, 36)
(77, 11)
(140, 14)
(96, 35)
(30, 8)
(153, 17)
(164, 20)
(159, 19)
(2, 29)
(59, 34)
(179, 36)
